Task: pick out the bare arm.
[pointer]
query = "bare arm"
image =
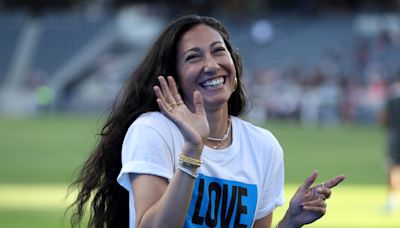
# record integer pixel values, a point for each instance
(264, 222)
(157, 202)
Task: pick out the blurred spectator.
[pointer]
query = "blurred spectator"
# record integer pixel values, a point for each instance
(390, 119)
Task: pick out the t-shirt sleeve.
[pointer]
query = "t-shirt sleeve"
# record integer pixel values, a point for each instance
(145, 150)
(273, 186)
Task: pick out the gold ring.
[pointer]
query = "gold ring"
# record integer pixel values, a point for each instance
(179, 103)
(170, 108)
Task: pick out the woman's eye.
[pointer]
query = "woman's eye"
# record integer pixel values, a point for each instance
(191, 57)
(219, 49)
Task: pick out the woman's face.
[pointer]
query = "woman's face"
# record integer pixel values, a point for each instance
(205, 64)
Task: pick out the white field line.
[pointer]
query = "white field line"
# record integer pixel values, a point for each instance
(34, 197)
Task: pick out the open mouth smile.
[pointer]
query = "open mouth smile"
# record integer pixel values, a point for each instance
(212, 84)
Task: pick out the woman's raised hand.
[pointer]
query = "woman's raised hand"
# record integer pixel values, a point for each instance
(193, 125)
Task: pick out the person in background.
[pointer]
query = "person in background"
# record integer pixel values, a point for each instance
(390, 119)
(174, 152)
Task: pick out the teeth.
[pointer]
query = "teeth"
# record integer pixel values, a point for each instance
(213, 83)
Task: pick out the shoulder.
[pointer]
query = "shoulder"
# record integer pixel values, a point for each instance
(258, 138)
(257, 133)
(151, 118)
(151, 131)
(152, 122)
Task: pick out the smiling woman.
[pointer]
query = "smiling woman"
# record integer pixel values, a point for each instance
(174, 152)
(205, 64)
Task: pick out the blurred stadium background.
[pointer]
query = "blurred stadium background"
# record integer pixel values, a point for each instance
(316, 72)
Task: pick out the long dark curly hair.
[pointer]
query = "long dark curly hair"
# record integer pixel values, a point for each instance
(97, 181)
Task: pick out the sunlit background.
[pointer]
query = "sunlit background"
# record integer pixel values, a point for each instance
(316, 72)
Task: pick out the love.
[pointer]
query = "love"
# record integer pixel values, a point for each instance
(219, 211)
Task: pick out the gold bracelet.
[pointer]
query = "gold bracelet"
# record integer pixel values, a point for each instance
(189, 162)
(189, 159)
(188, 165)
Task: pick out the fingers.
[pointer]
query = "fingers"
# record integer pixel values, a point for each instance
(167, 94)
(309, 181)
(324, 189)
(161, 93)
(174, 90)
(198, 102)
(162, 104)
(318, 205)
(315, 209)
(324, 193)
(166, 90)
(334, 181)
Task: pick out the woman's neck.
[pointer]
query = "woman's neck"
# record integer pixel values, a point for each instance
(220, 125)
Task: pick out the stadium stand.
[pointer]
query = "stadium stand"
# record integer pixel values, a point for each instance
(79, 55)
(63, 35)
(10, 28)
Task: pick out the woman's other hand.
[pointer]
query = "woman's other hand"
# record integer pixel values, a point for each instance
(308, 203)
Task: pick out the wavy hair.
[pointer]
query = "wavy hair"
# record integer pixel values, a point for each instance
(97, 181)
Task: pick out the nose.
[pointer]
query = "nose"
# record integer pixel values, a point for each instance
(211, 66)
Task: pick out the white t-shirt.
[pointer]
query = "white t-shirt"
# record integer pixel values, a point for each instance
(236, 185)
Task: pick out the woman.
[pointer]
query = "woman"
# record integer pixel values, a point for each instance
(187, 159)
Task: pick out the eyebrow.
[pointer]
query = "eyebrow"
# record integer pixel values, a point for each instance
(197, 49)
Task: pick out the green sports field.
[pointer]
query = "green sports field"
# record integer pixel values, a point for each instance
(39, 157)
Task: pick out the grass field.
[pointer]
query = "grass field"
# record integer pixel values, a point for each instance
(39, 157)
